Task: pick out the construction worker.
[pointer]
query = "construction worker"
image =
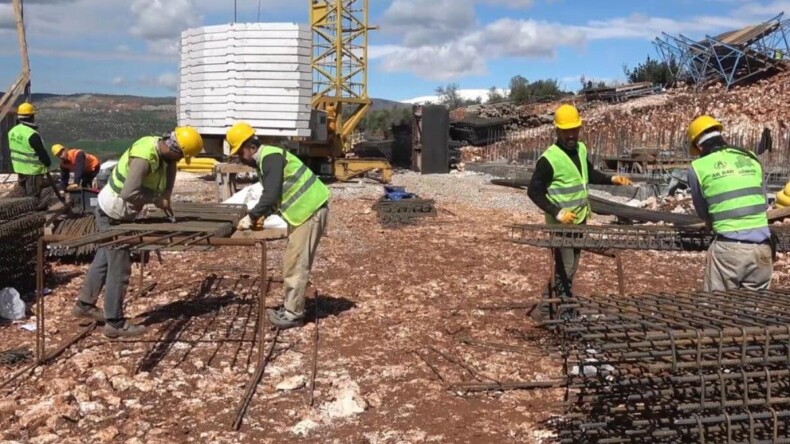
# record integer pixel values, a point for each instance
(559, 188)
(85, 167)
(293, 191)
(29, 159)
(145, 174)
(728, 192)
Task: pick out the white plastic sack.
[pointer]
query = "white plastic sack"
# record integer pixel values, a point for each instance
(249, 196)
(11, 305)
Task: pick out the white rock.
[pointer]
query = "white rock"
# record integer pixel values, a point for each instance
(87, 408)
(292, 383)
(304, 427)
(347, 401)
(11, 305)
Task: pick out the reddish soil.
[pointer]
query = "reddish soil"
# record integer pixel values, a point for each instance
(387, 296)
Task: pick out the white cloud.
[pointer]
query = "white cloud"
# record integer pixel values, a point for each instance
(468, 54)
(513, 4)
(428, 22)
(160, 22)
(118, 81)
(168, 80)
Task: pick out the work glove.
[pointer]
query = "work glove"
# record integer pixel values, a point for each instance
(621, 180)
(244, 224)
(72, 187)
(566, 217)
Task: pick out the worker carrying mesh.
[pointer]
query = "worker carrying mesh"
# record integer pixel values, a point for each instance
(295, 193)
(559, 187)
(729, 194)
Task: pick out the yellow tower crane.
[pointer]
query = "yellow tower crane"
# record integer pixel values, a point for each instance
(340, 86)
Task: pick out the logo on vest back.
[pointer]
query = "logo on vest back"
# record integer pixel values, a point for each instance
(720, 165)
(742, 162)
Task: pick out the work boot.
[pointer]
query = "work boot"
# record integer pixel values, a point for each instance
(83, 310)
(116, 330)
(284, 319)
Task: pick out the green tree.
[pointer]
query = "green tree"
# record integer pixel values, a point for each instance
(494, 95)
(450, 96)
(653, 71)
(519, 90)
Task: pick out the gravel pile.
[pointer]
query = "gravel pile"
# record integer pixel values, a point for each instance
(469, 188)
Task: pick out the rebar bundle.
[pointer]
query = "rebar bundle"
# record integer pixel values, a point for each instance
(684, 367)
(19, 231)
(661, 238)
(74, 227)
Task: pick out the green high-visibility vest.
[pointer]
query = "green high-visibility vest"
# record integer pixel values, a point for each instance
(144, 148)
(303, 193)
(732, 184)
(568, 188)
(24, 159)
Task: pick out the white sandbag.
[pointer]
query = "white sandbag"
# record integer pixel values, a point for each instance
(249, 196)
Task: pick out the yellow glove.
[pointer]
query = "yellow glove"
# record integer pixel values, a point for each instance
(621, 180)
(566, 217)
(72, 187)
(244, 224)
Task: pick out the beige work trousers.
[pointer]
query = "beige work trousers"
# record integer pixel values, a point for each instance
(298, 260)
(734, 266)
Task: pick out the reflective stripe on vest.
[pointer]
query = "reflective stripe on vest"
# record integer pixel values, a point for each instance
(145, 148)
(91, 162)
(731, 181)
(302, 193)
(24, 159)
(568, 188)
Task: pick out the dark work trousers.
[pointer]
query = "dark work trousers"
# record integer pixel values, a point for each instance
(87, 179)
(111, 268)
(566, 261)
(31, 186)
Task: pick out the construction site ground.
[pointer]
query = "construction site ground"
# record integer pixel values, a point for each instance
(389, 298)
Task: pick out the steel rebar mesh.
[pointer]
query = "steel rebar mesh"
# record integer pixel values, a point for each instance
(689, 366)
(663, 238)
(18, 239)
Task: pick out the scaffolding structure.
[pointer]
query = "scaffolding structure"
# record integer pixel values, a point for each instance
(729, 58)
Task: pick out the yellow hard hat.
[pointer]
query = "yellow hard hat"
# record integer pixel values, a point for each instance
(189, 140)
(237, 135)
(26, 109)
(57, 149)
(700, 125)
(567, 117)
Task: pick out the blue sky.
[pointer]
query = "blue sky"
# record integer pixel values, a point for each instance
(130, 46)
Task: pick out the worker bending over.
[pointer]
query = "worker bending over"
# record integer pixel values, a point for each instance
(145, 174)
(728, 191)
(29, 158)
(559, 188)
(85, 167)
(293, 191)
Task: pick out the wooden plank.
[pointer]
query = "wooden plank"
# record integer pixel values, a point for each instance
(233, 168)
(205, 105)
(187, 226)
(778, 214)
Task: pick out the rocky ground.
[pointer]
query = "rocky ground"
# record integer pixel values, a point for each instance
(391, 301)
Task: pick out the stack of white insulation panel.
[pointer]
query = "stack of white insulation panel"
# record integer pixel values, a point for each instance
(256, 72)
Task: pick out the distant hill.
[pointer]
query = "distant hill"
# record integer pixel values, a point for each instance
(106, 123)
